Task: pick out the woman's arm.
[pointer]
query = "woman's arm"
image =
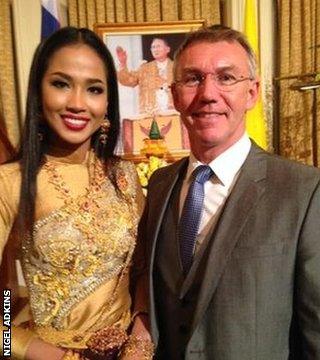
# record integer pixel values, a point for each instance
(24, 343)
(40, 350)
(139, 345)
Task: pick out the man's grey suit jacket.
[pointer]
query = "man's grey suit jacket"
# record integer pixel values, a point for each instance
(260, 294)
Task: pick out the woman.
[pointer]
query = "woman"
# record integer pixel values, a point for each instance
(6, 149)
(74, 207)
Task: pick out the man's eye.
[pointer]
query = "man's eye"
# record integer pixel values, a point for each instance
(192, 79)
(96, 90)
(59, 84)
(226, 78)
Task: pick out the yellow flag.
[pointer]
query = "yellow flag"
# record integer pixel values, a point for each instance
(255, 119)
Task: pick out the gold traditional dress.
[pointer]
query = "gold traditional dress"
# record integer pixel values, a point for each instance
(76, 266)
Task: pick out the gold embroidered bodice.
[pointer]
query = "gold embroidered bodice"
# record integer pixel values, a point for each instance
(78, 247)
(82, 242)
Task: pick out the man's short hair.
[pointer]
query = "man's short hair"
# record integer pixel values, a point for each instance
(214, 34)
(165, 41)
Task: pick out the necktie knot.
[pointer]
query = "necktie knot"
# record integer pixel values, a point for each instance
(202, 174)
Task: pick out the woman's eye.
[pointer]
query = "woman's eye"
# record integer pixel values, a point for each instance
(59, 84)
(96, 90)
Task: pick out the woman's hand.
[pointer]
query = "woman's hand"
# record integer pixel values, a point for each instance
(40, 350)
(139, 347)
(141, 326)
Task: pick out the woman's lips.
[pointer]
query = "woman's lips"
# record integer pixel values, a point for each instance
(75, 123)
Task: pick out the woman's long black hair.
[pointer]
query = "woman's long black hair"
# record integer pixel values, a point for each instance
(32, 147)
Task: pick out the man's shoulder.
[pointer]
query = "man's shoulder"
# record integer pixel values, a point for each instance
(153, 64)
(165, 173)
(148, 65)
(288, 165)
(287, 171)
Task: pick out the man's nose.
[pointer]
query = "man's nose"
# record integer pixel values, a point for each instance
(76, 100)
(208, 90)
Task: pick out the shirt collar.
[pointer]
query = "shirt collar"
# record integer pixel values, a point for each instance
(162, 64)
(234, 157)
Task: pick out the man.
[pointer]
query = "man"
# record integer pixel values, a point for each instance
(153, 78)
(241, 281)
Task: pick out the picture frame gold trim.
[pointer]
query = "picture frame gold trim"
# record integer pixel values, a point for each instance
(177, 138)
(162, 27)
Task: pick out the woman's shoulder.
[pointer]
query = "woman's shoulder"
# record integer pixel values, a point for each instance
(10, 171)
(117, 164)
(10, 177)
(125, 169)
(10, 182)
(124, 175)
(126, 165)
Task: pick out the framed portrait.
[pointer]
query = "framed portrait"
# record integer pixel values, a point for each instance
(143, 57)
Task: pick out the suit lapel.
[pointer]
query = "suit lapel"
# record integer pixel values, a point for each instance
(241, 202)
(157, 203)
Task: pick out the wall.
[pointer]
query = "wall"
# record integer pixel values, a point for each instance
(234, 17)
(27, 24)
(27, 27)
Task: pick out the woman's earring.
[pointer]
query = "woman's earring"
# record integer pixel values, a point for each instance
(104, 129)
(41, 132)
(40, 136)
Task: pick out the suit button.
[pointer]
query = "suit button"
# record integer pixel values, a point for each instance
(183, 329)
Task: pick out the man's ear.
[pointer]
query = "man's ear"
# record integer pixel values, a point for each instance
(253, 93)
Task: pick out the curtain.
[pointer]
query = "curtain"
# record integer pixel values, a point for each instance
(299, 119)
(85, 13)
(8, 89)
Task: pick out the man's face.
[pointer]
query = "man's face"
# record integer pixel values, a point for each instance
(159, 49)
(215, 118)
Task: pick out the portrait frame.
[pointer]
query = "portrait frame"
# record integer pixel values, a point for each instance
(134, 122)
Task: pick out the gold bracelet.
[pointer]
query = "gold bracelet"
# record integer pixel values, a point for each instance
(71, 355)
(137, 345)
(109, 339)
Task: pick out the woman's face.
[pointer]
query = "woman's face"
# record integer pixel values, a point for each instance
(74, 96)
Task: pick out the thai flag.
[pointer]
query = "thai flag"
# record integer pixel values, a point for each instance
(49, 18)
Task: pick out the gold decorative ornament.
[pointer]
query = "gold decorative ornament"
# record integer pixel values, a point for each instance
(71, 355)
(78, 247)
(106, 343)
(138, 346)
(104, 129)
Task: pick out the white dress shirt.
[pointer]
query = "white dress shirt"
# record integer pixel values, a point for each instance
(162, 94)
(226, 168)
(162, 68)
